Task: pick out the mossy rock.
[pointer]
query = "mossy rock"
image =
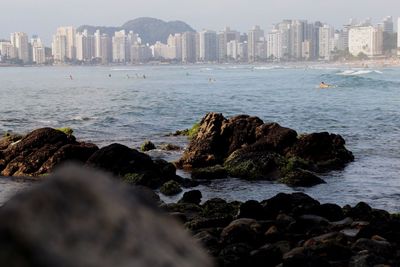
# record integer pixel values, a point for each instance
(148, 179)
(254, 165)
(66, 130)
(301, 178)
(147, 146)
(294, 163)
(192, 133)
(217, 207)
(171, 188)
(210, 173)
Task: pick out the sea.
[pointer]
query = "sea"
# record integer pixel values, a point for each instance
(130, 104)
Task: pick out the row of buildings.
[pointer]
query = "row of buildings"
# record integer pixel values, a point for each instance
(19, 49)
(289, 40)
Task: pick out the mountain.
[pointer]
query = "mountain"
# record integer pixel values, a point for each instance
(150, 30)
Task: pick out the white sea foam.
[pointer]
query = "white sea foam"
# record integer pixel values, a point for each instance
(358, 72)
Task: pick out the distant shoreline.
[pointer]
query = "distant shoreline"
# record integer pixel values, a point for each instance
(372, 63)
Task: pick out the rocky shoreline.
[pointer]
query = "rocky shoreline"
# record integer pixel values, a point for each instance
(286, 230)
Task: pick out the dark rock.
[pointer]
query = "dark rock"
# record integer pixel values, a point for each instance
(120, 160)
(72, 152)
(362, 211)
(326, 150)
(204, 223)
(147, 146)
(149, 179)
(332, 212)
(40, 152)
(252, 209)
(234, 255)
(301, 178)
(191, 211)
(209, 173)
(239, 131)
(290, 203)
(217, 207)
(206, 149)
(277, 137)
(266, 256)
(193, 196)
(366, 259)
(253, 163)
(273, 235)
(379, 248)
(75, 216)
(8, 139)
(170, 188)
(301, 260)
(242, 231)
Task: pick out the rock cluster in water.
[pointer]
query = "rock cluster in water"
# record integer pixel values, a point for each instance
(248, 148)
(97, 219)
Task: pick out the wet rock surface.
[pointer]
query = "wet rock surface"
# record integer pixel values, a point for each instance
(293, 230)
(250, 149)
(40, 151)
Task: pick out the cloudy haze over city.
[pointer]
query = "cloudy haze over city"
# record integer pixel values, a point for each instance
(44, 16)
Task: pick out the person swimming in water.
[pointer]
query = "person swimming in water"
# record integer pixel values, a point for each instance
(324, 85)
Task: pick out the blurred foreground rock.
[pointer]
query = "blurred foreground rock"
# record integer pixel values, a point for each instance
(81, 218)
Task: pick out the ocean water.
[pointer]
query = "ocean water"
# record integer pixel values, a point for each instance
(116, 104)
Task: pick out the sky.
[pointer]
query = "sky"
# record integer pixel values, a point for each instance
(42, 17)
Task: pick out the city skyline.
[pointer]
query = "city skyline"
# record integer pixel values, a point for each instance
(33, 18)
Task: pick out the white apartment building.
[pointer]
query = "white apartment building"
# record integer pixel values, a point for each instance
(367, 40)
(254, 37)
(119, 47)
(175, 46)
(20, 41)
(274, 42)
(7, 50)
(326, 36)
(85, 46)
(232, 50)
(38, 51)
(67, 36)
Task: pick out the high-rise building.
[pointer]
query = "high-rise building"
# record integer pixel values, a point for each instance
(7, 50)
(208, 46)
(274, 45)
(367, 40)
(20, 41)
(326, 34)
(298, 30)
(119, 47)
(97, 44)
(254, 37)
(85, 46)
(140, 53)
(64, 45)
(175, 45)
(388, 24)
(59, 48)
(224, 37)
(189, 47)
(38, 51)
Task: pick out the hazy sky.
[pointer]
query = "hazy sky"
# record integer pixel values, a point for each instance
(43, 16)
